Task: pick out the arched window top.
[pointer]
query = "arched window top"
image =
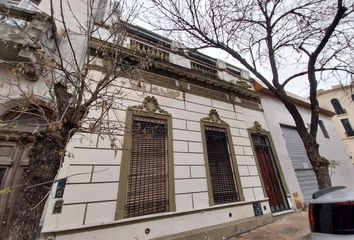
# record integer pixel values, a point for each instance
(337, 106)
(25, 118)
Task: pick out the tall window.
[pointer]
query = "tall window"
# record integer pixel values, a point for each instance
(147, 191)
(2, 174)
(323, 129)
(222, 177)
(337, 106)
(146, 182)
(347, 127)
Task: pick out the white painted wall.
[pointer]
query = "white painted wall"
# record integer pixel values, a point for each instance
(343, 94)
(90, 198)
(332, 148)
(131, 229)
(97, 192)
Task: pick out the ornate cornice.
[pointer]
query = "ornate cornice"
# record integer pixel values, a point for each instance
(243, 84)
(213, 117)
(150, 105)
(240, 87)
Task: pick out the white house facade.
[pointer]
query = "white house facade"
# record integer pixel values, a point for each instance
(180, 162)
(194, 153)
(294, 162)
(340, 100)
(163, 180)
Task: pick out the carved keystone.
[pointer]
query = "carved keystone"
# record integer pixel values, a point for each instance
(257, 127)
(150, 105)
(213, 117)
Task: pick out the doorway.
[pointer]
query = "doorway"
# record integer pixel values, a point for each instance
(269, 173)
(13, 162)
(20, 121)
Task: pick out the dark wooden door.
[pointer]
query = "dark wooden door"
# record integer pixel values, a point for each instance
(269, 173)
(13, 161)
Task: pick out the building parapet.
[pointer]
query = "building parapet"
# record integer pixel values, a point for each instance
(160, 48)
(22, 33)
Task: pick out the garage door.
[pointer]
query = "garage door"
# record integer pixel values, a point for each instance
(303, 169)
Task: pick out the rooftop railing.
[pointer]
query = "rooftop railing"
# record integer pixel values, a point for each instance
(204, 69)
(147, 50)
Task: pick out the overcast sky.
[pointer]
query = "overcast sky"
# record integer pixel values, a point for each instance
(298, 86)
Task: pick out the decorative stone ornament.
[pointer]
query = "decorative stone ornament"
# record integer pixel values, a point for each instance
(257, 127)
(183, 85)
(232, 97)
(150, 105)
(213, 117)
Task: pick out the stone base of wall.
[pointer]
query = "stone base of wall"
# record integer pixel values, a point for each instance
(223, 231)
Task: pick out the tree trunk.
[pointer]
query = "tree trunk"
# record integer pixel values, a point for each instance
(44, 162)
(319, 163)
(322, 174)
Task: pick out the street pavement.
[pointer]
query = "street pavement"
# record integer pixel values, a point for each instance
(294, 226)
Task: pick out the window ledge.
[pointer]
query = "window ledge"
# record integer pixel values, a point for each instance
(342, 114)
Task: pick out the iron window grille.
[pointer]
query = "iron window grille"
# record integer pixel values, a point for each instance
(220, 167)
(147, 187)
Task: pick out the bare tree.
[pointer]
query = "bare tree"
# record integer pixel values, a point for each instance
(266, 36)
(78, 101)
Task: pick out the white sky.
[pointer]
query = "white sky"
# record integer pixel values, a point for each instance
(298, 86)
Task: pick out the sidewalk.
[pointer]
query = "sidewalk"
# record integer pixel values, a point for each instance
(294, 226)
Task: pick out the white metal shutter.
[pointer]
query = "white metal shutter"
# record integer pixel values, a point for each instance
(302, 166)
